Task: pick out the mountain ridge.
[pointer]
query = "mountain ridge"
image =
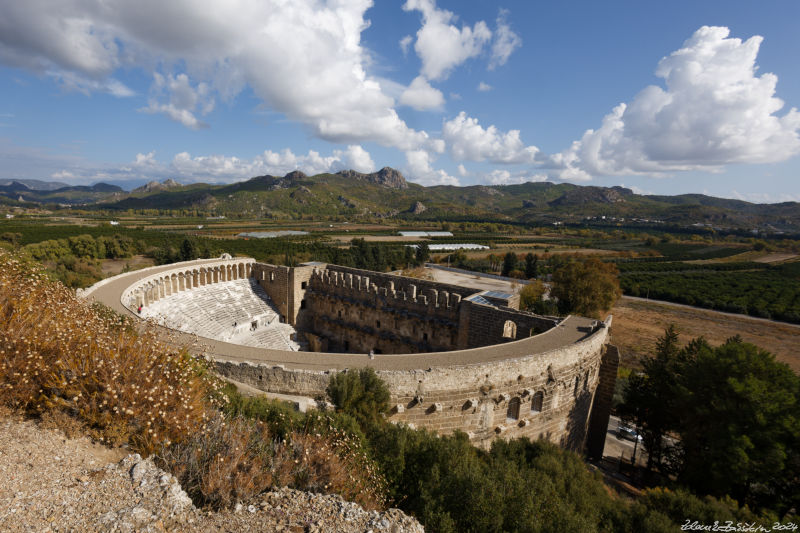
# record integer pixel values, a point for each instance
(386, 193)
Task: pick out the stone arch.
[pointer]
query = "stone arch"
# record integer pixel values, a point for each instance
(249, 269)
(241, 270)
(537, 402)
(510, 330)
(512, 413)
(174, 282)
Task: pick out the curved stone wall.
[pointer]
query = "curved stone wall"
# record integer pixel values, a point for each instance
(540, 386)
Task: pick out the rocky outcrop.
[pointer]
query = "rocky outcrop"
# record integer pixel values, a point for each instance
(588, 195)
(53, 483)
(386, 177)
(295, 175)
(155, 186)
(417, 208)
(302, 195)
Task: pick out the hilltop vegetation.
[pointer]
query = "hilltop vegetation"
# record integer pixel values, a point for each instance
(386, 194)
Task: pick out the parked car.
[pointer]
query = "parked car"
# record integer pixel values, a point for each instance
(626, 432)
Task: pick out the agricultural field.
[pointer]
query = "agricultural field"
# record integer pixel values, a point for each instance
(637, 324)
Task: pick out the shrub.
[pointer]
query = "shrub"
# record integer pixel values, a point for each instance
(59, 353)
(360, 394)
(79, 363)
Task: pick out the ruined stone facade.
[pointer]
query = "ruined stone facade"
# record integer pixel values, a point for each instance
(452, 359)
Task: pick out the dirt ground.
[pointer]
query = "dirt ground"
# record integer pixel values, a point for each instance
(637, 325)
(112, 267)
(475, 282)
(775, 258)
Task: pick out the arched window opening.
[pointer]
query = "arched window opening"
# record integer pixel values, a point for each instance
(509, 330)
(536, 402)
(513, 409)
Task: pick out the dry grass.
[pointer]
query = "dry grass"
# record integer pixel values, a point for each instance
(85, 369)
(638, 324)
(236, 459)
(60, 354)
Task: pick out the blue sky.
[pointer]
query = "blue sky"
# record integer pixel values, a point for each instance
(663, 98)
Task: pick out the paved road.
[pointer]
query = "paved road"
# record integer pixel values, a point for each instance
(617, 447)
(735, 315)
(570, 331)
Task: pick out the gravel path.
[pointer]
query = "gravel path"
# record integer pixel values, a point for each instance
(51, 483)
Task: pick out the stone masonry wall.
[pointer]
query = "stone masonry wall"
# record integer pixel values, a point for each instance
(357, 315)
(359, 310)
(491, 325)
(601, 411)
(547, 395)
(274, 279)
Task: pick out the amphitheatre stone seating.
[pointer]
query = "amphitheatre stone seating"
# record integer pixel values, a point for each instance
(276, 336)
(232, 311)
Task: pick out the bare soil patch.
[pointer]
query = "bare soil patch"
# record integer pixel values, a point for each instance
(775, 258)
(637, 325)
(112, 267)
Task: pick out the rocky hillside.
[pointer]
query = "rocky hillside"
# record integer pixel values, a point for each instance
(55, 483)
(386, 193)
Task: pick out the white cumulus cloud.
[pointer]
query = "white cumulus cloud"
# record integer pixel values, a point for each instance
(506, 177)
(484, 87)
(419, 170)
(440, 45)
(303, 58)
(231, 168)
(714, 110)
(505, 41)
(405, 43)
(421, 96)
(184, 101)
(468, 140)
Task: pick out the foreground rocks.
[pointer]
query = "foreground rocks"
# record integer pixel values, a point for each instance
(52, 483)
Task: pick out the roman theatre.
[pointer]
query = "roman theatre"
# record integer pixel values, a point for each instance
(453, 357)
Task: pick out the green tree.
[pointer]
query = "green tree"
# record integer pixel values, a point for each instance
(650, 398)
(530, 295)
(509, 263)
(423, 253)
(361, 394)
(737, 413)
(586, 287)
(531, 265)
(189, 250)
(740, 426)
(11, 237)
(87, 247)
